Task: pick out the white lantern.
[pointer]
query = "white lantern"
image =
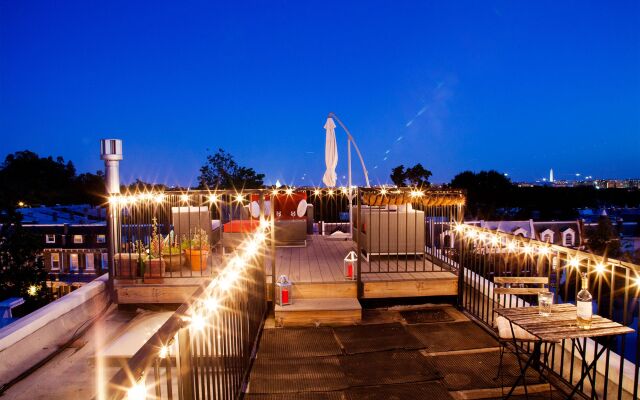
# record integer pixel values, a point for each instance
(350, 266)
(283, 292)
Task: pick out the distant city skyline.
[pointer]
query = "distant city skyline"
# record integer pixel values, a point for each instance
(512, 86)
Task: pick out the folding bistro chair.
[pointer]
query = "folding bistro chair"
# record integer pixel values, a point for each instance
(503, 296)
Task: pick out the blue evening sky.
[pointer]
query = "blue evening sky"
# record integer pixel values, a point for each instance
(516, 86)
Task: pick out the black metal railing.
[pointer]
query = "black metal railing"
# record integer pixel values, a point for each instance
(179, 234)
(614, 284)
(402, 230)
(205, 349)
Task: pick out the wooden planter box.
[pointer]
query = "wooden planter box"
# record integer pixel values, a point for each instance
(126, 265)
(154, 270)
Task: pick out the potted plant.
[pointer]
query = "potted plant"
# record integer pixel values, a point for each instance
(127, 264)
(172, 254)
(196, 248)
(154, 266)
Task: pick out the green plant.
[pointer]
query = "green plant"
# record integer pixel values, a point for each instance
(170, 245)
(197, 240)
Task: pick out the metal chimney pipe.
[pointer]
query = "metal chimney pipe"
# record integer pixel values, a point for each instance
(111, 153)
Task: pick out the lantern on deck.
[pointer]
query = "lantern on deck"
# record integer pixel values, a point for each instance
(284, 291)
(350, 265)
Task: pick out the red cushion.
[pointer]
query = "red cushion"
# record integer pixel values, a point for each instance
(241, 226)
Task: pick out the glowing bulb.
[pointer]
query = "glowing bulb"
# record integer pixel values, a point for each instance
(164, 352)
(574, 262)
(137, 392)
(383, 191)
(159, 198)
(239, 198)
(184, 197)
(416, 193)
(459, 228)
(481, 236)
(251, 248)
(260, 237)
(197, 322)
(274, 192)
(213, 198)
(473, 234)
(33, 290)
(599, 268)
(343, 190)
(330, 192)
(511, 246)
(288, 191)
(638, 281)
(211, 304)
(494, 240)
(317, 192)
(543, 251)
(264, 224)
(527, 249)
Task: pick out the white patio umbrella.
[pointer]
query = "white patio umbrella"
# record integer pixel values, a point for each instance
(330, 154)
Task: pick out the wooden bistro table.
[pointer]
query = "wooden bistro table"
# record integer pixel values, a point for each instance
(561, 324)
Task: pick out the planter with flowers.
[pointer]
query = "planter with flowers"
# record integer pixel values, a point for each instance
(155, 265)
(196, 248)
(172, 254)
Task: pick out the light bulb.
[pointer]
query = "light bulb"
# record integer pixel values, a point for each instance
(213, 198)
(599, 268)
(211, 304)
(197, 322)
(289, 191)
(137, 392)
(164, 352)
(184, 197)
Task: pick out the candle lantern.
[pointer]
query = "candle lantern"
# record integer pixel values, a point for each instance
(350, 265)
(283, 291)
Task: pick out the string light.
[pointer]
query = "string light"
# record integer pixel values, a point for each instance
(159, 198)
(383, 191)
(343, 190)
(239, 198)
(213, 198)
(164, 352)
(316, 192)
(184, 197)
(197, 322)
(459, 228)
(288, 191)
(543, 251)
(137, 392)
(599, 267)
(494, 240)
(32, 290)
(330, 192)
(527, 249)
(416, 193)
(274, 192)
(212, 304)
(511, 246)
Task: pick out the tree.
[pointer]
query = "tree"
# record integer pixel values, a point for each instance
(485, 190)
(22, 272)
(603, 238)
(412, 176)
(223, 172)
(34, 180)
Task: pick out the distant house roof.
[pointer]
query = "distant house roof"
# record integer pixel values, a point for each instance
(534, 229)
(80, 214)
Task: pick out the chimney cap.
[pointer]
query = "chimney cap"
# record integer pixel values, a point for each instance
(111, 149)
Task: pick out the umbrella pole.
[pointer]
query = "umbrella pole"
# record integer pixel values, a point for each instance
(349, 190)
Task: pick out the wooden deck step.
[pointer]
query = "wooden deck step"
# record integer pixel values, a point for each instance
(327, 311)
(320, 290)
(378, 286)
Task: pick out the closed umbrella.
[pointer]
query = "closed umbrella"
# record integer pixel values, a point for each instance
(330, 154)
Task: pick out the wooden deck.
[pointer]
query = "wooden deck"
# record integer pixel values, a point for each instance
(321, 263)
(316, 271)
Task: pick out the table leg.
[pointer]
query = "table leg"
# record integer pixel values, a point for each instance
(523, 370)
(587, 371)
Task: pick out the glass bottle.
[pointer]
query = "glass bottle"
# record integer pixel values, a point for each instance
(583, 302)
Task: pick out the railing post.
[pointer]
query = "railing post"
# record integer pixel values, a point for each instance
(185, 373)
(273, 252)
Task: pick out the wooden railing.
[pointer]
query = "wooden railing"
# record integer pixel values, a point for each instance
(615, 286)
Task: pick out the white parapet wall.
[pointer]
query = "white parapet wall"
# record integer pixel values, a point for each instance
(33, 338)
